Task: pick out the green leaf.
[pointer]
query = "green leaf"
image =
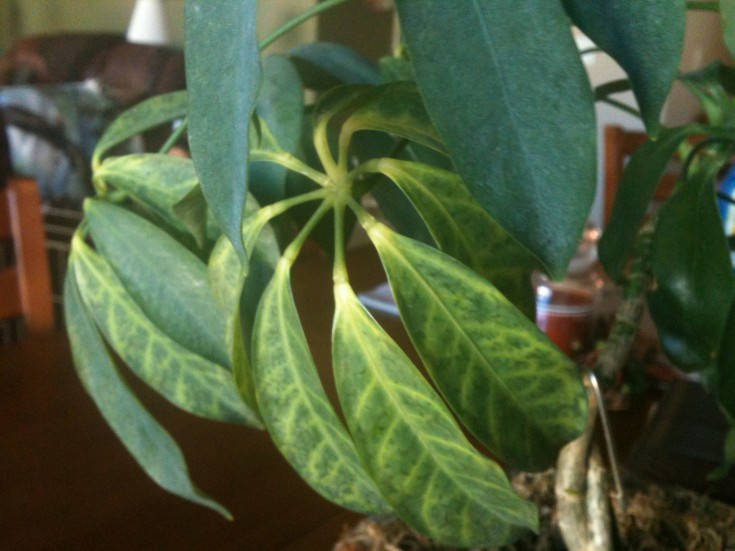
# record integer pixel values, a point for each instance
(635, 191)
(323, 65)
(295, 408)
(464, 230)
(223, 76)
(412, 446)
(510, 386)
(725, 389)
(150, 445)
(499, 79)
(691, 265)
(143, 116)
(165, 279)
(727, 11)
(186, 379)
(396, 108)
(714, 86)
(280, 106)
(645, 38)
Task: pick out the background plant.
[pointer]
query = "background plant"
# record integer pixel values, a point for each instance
(478, 141)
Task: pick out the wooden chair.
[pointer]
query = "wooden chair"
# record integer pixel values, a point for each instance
(620, 144)
(25, 285)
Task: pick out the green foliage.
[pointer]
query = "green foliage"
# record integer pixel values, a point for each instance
(479, 139)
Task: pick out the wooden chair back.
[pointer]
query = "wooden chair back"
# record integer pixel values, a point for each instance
(620, 144)
(25, 283)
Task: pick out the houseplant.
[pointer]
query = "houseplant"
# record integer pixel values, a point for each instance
(486, 126)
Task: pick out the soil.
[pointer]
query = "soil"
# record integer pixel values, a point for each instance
(655, 518)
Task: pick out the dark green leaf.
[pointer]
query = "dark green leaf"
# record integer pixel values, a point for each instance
(727, 10)
(635, 191)
(150, 445)
(295, 408)
(412, 446)
(725, 389)
(396, 108)
(167, 281)
(323, 65)
(280, 106)
(185, 379)
(645, 37)
(695, 285)
(223, 76)
(145, 115)
(512, 388)
(464, 230)
(499, 80)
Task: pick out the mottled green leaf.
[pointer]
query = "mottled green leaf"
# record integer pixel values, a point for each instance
(645, 37)
(504, 85)
(164, 278)
(281, 107)
(323, 65)
(464, 230)
(185, 379)
(143, 116)
(635, 191)
(396, 108)
(510, 386)
(150, 445)
(295, 408)
(691, 265)
(412, 446)
(223, 76)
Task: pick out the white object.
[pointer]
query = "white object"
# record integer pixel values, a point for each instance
(149, 24)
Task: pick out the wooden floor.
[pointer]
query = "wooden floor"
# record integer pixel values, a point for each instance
(67, 483)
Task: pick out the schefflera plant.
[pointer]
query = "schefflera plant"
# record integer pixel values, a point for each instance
(154, 279)
(187, 279)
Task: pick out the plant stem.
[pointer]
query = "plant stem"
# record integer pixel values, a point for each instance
(175, 136)
(292, 251)
(622, 106)
(298, 20)
(707, 6)
(290, 162)
(339, 272)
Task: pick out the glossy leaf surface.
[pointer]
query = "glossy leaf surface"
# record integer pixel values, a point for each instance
(645, 37)
(412, 446)
(323, 65)
(182, 377)
(295, 408)
(223, 76)
(167, 281)
(143, 116)
(464, 230)
(151, 446)
(499, 79)
(635, 191)
(691, 265)
(510, 386)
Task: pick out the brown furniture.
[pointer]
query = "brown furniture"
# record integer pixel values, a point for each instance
(25, 284)
(620, 144)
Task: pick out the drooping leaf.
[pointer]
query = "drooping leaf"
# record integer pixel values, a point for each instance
(496, 102)
(143, 116)
(464, 230)
(323, 65)
(509, 385)
(280, 106)
(185, 379)
(396, 108)
(150, 445)
(167, 281)
(223, 76)
(295, 408)
(645, 38)
(691, 265)
(635, 191)
(412, 446)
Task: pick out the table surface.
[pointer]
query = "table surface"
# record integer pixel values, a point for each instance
(67, 483)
